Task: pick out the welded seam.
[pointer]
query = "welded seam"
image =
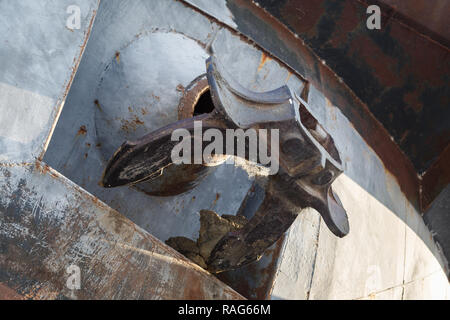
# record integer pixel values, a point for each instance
(60, 104)
(403, 285)
(15, 164)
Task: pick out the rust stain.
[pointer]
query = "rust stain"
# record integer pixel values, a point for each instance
(82, 131)
(349, 21)
(288, 76)
(264, 59)
(97, 104)
(194, 289)
(131, 125)
(44, 169)
(117, 55)
(191, 95)
(382, 65)
(332, 109)
(180, 88)
(6, 293)
(216, 199)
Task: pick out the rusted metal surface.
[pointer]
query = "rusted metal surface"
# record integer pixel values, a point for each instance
(401, 74)
(6, 293)
(48, 224)
(309, 164)
(426, 17)
(191, 96)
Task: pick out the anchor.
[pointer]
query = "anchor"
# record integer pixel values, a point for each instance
(308, 162)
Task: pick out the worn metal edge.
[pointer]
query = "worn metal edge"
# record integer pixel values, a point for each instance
(42, 168)
(76, 63)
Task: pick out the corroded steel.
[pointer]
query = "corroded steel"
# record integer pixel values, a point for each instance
(400, 71)
(47, 224)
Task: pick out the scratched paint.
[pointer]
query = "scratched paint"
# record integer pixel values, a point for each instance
(50, 223)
